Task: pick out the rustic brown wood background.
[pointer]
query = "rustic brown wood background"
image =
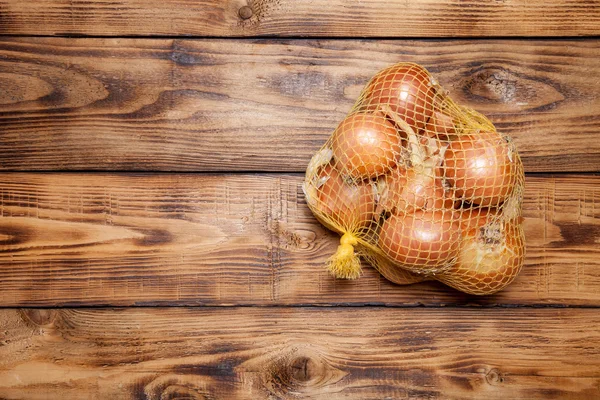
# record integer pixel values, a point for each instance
(154, 240)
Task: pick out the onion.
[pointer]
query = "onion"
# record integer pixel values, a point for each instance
(489, 259)
(481, 168)
(476, 217)
(440, 126)
(348, 205)
(423, 239)
(366, 145)
(408, 190)
(393, 272)
(406, 89)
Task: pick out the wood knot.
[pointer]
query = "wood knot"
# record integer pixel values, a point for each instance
(299, 373)
(41, 318)
(493, 84)
(303, 369)
(509, 91)
(494, 376)
(245, 12)
(172, 387)
(181, 393)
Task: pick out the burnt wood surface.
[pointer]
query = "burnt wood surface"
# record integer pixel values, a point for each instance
(156, 161)
(268, 105)
(299, 353)
(329, 18)
(247, 239)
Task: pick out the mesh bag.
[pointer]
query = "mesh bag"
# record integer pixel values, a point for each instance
(419, 187)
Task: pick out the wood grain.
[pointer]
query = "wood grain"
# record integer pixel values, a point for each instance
(268, 105)
(419, 18)
(294, 353)
(187, 239)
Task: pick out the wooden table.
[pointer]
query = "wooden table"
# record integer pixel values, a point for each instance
(154, 239)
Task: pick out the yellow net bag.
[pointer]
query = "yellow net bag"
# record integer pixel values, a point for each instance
(420, 188)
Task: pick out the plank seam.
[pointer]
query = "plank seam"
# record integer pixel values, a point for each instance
(446, 306)
(300, 37)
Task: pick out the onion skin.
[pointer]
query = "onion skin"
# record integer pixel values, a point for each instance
(366, 145)
(440, 126)
(476, 217)
(350, 206)
(487, 262)
(406, 89)
(421, 241)
(480, 168)
(409, 190)
(393, 272)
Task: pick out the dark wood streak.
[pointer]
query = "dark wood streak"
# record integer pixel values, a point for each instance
(268, 105)
(223, 239)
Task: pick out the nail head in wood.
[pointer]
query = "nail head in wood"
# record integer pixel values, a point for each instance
(245, 12)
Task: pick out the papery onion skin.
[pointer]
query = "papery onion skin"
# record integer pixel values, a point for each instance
(366, 145)
(393, 272)
(406, 89)
(349, 205)
(441, 126)
(423, 239)
(481, 169)
(476, 217)
(488, 262)
(409, 190)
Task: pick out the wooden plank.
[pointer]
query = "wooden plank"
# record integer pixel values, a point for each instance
(289, 353)
(420, 18)
(94, 239)
(268, 105)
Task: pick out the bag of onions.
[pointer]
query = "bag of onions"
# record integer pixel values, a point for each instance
(419, 187)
